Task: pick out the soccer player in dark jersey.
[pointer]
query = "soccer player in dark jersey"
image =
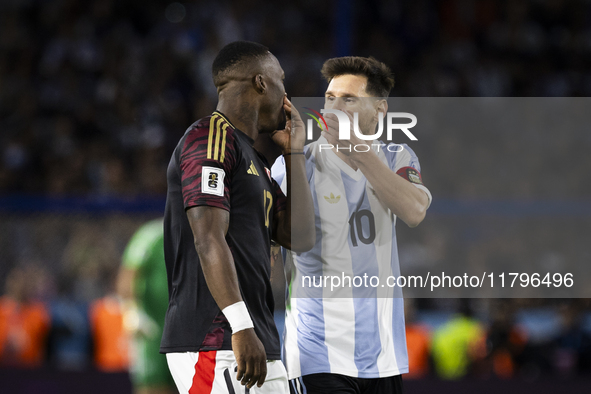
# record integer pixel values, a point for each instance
(222, 210)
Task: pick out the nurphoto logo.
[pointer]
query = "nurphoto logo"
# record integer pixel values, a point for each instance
(345, 128)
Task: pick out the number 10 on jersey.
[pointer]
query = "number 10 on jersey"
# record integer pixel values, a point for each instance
(356, 227)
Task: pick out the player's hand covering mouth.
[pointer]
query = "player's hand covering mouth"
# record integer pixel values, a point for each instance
(292, 136)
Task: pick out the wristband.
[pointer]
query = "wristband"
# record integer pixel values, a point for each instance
(238, 317)
(294, 153)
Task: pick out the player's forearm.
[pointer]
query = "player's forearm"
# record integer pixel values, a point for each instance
(298, 222)
(220, 274)
(209, 226)
(219, 270)
(399, 195)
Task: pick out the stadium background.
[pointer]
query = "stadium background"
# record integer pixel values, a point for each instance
(94, 96)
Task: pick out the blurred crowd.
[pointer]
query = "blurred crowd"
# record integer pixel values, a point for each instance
(505, 345)
(60, 308)
(95, 94)
(447, 338)
(64, 333)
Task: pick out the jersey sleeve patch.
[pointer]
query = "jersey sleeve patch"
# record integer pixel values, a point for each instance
(411, 175)
(212, 181)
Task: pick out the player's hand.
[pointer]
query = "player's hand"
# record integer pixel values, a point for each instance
(294, 135)
(346, 147)
(250, 357)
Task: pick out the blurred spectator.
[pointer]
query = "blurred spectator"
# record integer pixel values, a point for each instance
(110, 339)
(69, 343)
(458, 345)
(572, 346)
(143, 286)
(418, 342)
(24, 322)
(506, 341)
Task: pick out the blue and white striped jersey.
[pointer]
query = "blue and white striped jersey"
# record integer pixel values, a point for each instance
(353, 331)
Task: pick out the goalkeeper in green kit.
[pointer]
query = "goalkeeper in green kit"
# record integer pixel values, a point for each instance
(142, 286)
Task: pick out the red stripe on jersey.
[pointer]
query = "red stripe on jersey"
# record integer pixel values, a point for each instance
(204, 373)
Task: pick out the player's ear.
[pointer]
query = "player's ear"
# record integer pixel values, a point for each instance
(381, 107)
(259, 83)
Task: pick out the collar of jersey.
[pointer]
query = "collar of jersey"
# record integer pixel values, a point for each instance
(225, 118)
(336, 160)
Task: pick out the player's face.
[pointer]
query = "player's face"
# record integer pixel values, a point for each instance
(348, 93)
(274, 96)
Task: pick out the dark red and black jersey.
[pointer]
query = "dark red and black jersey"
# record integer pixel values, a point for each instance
(215, 164)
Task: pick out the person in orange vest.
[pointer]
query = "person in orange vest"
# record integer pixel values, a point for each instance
(418, 343)
(24, 323)
(111, 341)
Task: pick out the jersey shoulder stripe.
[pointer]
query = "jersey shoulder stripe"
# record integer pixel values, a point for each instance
(218, 133)
(210, 142)
(216, 141)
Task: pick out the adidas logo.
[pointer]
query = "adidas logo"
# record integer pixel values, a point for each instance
(252, 170)
(332, 199)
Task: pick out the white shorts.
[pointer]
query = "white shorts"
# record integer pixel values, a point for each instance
(214, 372)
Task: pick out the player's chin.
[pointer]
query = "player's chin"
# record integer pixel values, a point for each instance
(279, 123)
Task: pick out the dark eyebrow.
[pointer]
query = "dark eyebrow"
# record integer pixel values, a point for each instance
(329, 93)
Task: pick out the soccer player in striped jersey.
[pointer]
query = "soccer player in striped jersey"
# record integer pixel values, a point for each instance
(222, 210)
(352, 340)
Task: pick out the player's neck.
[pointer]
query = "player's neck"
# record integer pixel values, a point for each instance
(241, 116)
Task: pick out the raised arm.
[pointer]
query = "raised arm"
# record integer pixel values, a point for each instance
(294, 228)
(404, 199)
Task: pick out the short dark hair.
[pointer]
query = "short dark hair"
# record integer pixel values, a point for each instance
(235, 53)
(380, 79)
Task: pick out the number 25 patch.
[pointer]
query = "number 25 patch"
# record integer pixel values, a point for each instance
(212, 180)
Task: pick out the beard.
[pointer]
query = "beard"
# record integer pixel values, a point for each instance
(365, 126)
(278, 123)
